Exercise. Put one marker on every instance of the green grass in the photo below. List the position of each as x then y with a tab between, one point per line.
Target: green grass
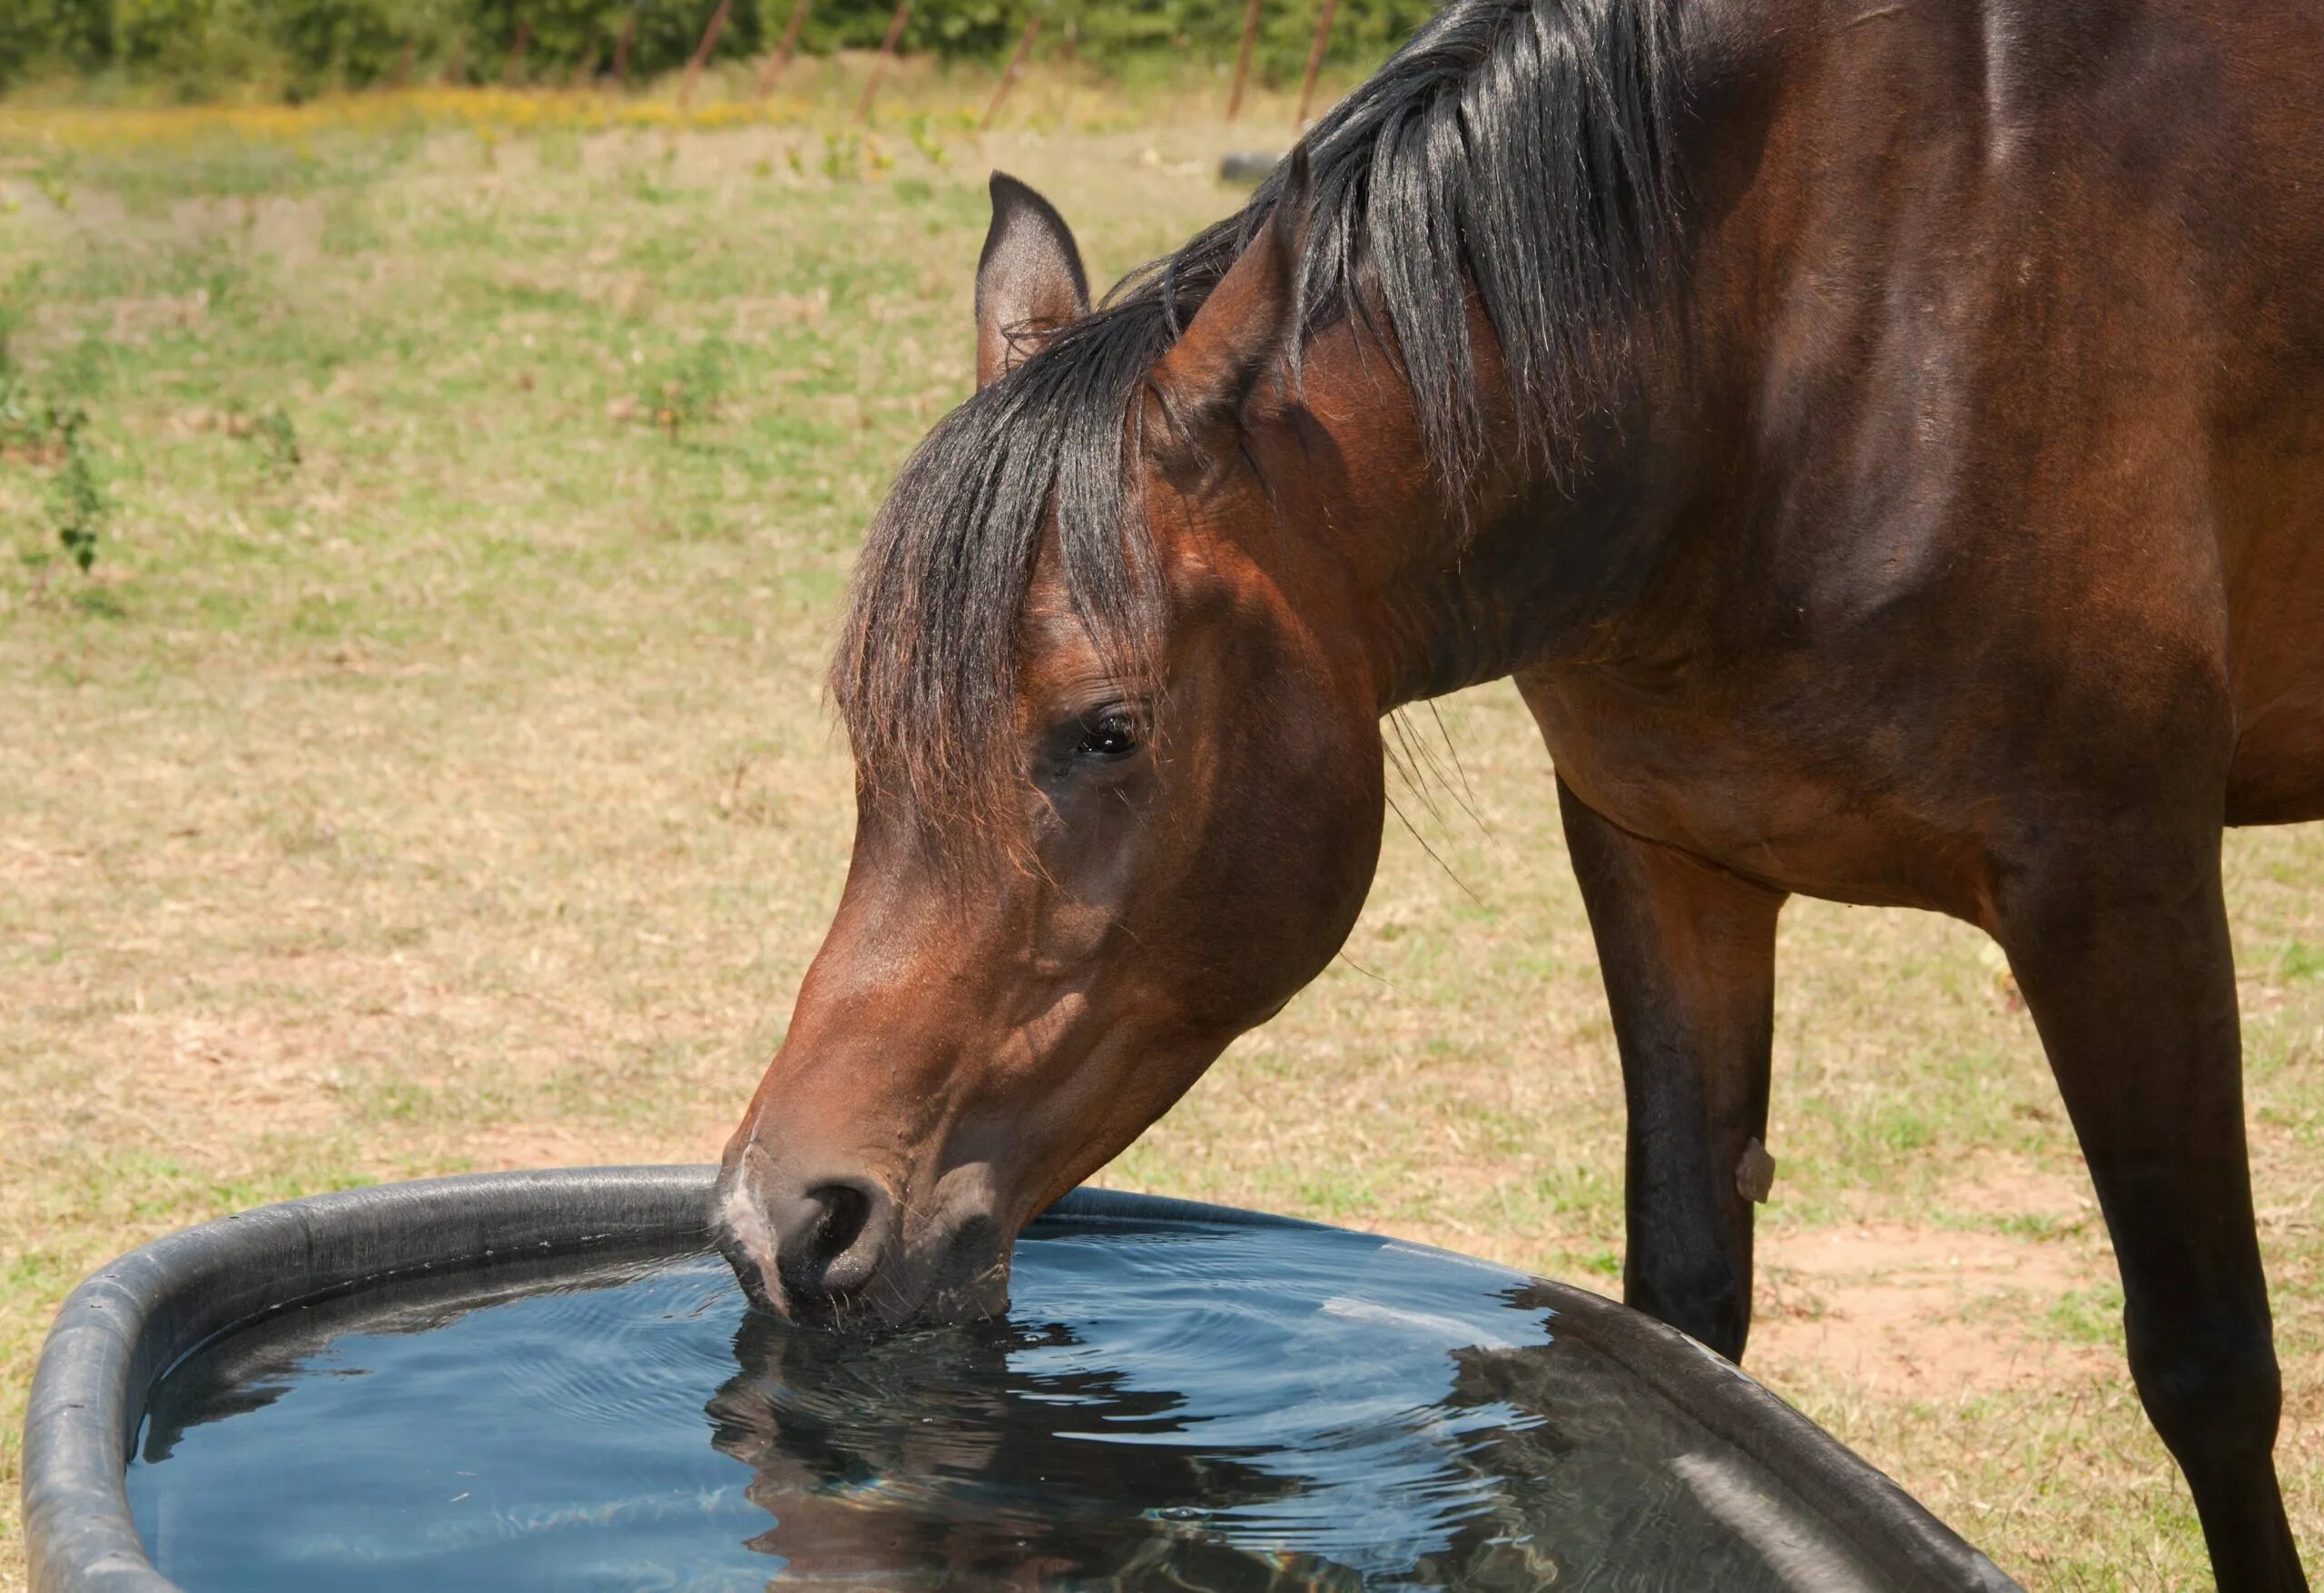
2090	1316
432	774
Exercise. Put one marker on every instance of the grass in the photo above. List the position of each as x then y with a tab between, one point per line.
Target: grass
431	773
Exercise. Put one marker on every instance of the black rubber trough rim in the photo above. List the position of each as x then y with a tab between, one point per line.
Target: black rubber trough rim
131	1322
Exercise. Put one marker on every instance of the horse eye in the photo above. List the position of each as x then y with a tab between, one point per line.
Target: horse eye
1108	735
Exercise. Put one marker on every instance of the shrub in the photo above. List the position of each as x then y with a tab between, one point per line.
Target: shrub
54	35
308	44
352	41
565	35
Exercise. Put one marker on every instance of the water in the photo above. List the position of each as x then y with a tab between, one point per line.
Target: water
1165	1407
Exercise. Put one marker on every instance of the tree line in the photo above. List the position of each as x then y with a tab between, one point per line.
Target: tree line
304	46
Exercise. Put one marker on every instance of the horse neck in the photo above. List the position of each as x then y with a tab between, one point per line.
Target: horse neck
1583	548
1544	555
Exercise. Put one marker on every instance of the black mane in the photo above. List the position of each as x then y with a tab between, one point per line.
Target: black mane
1520	152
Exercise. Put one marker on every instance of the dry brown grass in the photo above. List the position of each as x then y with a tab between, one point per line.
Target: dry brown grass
462	796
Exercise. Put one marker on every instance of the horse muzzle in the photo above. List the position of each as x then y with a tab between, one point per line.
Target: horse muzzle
841	1246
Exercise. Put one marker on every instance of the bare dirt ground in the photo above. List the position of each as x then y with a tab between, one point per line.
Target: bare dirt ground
432	774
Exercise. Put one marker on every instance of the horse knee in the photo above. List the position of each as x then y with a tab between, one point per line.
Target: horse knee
2210	1386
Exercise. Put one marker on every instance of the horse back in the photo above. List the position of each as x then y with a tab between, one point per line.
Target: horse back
2038	352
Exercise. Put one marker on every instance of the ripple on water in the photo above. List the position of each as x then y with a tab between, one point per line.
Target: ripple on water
1165	1407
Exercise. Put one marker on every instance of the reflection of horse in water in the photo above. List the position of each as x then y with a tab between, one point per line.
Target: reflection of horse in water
926	1460
937	1459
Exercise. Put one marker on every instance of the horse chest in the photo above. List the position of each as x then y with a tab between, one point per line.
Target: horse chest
1817	796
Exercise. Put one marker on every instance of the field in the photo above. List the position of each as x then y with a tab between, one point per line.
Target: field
432	772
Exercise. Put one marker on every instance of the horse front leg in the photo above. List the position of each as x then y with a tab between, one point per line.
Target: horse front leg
2125	965
1688	955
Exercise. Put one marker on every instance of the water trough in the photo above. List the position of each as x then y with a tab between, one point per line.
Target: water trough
543	1379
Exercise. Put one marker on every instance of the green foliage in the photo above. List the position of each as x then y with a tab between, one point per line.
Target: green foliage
691	393
356	41
302	45
277	440
1211	30
167	33
842	154
668	31
54	35
196	46
1109	31
2089	1316
76	504
563	36
16	308
924	138
46	433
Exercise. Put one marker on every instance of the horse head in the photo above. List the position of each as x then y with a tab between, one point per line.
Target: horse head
1118	776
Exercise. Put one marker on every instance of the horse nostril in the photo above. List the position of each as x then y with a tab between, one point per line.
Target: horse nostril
846	1210
829	1238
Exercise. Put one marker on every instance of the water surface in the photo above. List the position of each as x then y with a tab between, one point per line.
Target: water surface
1166	1406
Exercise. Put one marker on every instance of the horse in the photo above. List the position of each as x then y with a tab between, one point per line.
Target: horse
1884	442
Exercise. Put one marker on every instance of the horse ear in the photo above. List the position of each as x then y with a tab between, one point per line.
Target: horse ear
1248	321
1030	280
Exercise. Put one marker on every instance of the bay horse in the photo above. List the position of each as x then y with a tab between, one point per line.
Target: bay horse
1884	441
